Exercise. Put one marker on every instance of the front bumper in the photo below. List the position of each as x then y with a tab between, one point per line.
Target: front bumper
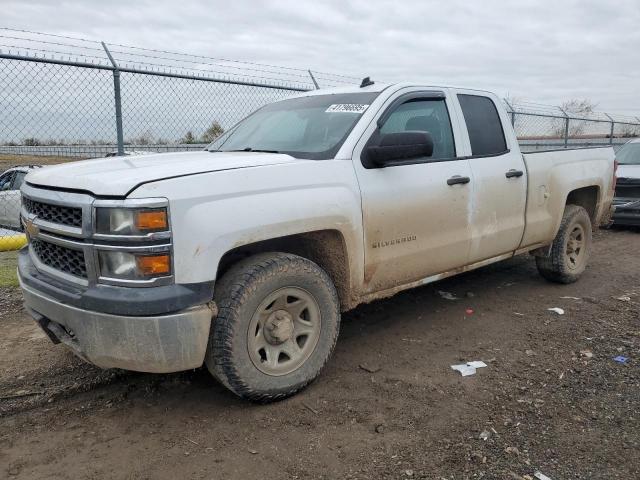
157	343
626	212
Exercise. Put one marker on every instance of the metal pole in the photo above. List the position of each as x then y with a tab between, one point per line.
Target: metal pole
118	100
566	128
612	127
513	113
314	80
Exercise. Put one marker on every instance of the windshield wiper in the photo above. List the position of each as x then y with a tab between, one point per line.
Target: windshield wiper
249	149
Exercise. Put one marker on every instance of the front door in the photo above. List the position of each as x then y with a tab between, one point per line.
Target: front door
415	214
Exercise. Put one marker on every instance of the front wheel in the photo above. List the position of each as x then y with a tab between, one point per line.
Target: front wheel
571	248
277	324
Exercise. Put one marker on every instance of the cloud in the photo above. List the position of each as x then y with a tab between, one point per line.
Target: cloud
546	51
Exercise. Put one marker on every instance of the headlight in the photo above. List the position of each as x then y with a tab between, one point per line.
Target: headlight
134	266
131	221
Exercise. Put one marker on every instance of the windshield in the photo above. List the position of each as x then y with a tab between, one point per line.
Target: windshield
313	127
629	154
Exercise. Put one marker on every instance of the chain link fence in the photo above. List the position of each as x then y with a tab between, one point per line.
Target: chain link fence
64	98
542	127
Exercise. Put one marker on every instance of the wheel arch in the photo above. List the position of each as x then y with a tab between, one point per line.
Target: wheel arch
587	198
327	248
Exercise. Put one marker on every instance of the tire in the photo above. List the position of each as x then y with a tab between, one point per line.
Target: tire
277	325
571	248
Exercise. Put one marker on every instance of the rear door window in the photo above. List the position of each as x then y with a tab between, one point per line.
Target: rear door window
483	124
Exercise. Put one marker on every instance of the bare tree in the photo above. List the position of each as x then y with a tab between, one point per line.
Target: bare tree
188	138
580	110
213	132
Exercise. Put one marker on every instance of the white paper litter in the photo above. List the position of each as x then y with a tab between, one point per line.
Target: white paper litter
571	298
477	364
541	476
624	298
559	311
468	368
447	295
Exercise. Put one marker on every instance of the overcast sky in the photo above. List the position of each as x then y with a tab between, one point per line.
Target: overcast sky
545	51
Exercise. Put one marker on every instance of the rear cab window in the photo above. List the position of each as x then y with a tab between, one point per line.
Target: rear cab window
483	124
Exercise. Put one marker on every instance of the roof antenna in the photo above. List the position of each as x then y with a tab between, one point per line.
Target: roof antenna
366	81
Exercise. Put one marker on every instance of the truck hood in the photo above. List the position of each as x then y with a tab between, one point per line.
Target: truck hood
117	176
628	171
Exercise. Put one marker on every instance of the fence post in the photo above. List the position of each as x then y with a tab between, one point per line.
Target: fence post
314	80
513	113
566	128
118	100
612	128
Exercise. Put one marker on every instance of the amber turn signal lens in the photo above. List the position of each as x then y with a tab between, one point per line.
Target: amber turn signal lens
153	265
152	220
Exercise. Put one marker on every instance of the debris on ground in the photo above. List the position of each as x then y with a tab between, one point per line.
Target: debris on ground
370	369
484	435
447	295
570	298
624	298
621	359
541	476
586	353
310	408
468	368
513	450
469	311
557	310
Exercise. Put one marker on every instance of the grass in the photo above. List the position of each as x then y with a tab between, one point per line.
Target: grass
8	265
7	161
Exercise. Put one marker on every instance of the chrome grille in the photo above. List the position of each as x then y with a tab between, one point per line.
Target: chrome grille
70	216
65	259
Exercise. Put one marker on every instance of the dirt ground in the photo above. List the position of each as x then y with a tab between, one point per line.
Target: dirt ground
551	399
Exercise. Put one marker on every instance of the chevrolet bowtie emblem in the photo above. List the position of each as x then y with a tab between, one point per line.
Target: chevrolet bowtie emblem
31	228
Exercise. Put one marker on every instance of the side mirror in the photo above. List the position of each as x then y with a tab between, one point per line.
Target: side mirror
396	147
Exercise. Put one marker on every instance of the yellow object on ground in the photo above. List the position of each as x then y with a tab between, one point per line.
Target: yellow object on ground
12	242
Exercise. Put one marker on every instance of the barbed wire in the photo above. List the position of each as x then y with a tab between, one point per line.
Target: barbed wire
167	56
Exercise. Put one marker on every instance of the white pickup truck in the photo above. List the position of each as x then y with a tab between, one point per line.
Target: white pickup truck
243	256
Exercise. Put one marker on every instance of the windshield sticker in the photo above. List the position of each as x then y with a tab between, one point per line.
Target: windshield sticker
346	108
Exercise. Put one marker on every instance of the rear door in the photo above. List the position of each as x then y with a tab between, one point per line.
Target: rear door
499	186
415	214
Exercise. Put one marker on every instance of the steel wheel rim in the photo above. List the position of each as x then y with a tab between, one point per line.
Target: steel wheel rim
576	243
284	331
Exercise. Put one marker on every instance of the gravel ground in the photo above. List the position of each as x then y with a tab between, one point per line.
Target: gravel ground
551	398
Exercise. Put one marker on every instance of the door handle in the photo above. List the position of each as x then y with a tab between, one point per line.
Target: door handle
457	179
513	173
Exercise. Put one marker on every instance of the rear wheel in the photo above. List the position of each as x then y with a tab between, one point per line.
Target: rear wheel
277	325
571	248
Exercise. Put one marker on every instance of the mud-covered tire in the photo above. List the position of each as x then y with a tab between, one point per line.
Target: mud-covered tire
241	295
563	265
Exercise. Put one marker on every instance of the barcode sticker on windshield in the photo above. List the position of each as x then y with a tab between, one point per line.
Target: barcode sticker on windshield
346	108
